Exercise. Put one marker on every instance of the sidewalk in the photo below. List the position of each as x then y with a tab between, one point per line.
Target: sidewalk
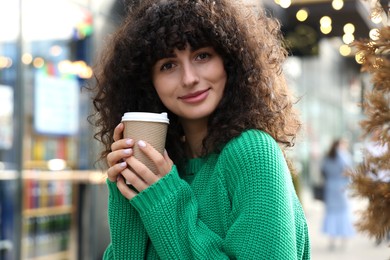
360	247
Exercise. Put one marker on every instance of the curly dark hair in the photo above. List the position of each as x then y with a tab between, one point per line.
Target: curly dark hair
333	149
250	44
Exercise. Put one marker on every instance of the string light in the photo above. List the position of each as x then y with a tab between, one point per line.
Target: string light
374	34
285	3
5	62
326	21
38	62
345	50
55	50
326	30
302	15
326	24
337	4
349	28
27	58
348	38
377	19
359	57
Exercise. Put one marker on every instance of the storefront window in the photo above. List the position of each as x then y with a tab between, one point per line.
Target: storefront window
44	64
9	127
55	58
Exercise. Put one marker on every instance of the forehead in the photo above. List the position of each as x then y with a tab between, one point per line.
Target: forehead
160	52
173	53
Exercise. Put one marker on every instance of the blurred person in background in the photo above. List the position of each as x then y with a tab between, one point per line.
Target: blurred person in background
223	188
338	222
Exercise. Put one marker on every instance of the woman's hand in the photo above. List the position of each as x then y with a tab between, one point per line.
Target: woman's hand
121	149
139	175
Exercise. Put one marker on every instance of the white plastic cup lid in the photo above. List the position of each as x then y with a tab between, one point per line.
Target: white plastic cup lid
146	117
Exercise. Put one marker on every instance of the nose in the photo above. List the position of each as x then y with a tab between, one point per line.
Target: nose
190	75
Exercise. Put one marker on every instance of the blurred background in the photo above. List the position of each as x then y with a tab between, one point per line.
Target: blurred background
53	198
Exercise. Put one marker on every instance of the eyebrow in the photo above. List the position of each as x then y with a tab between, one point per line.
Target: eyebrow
173	54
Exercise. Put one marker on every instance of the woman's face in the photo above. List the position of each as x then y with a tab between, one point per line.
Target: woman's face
191	82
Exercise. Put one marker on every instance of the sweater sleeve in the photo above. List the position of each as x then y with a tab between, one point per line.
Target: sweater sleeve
264	202
125	225
262	223
169	212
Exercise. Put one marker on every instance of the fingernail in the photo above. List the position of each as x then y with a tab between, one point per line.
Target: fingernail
129	141
141	143
123	164
127	151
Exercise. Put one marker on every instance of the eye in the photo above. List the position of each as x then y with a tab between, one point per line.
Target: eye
166	66
203	55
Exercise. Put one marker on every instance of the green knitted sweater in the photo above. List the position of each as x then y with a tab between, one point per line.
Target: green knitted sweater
238	204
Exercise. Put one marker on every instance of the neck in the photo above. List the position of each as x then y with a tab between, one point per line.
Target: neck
195	131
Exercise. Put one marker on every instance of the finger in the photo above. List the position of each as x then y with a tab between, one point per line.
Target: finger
124	189
167	159
118	156
134	179
142	171
164	166
122	144
118	131
114	171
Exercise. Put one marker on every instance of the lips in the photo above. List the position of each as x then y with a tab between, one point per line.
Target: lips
195	96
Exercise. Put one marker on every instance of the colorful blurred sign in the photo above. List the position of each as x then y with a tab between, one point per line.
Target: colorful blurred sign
56	105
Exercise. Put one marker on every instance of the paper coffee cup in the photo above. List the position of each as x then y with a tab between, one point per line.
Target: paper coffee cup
149	127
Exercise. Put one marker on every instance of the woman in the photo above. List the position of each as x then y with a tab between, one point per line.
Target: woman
337	223
223	188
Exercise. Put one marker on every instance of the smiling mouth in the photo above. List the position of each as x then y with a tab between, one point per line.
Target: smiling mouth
195	97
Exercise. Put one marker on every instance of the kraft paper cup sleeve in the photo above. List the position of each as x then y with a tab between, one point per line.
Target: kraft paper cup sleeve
152	132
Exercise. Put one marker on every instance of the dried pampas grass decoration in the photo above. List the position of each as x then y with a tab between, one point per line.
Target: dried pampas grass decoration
375	219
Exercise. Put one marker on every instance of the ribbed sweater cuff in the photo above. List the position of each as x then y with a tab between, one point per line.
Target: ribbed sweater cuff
165	188
114	193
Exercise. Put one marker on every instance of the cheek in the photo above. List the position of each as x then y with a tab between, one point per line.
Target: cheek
164	94
164	86
222	80
221	72
158	86
159	92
